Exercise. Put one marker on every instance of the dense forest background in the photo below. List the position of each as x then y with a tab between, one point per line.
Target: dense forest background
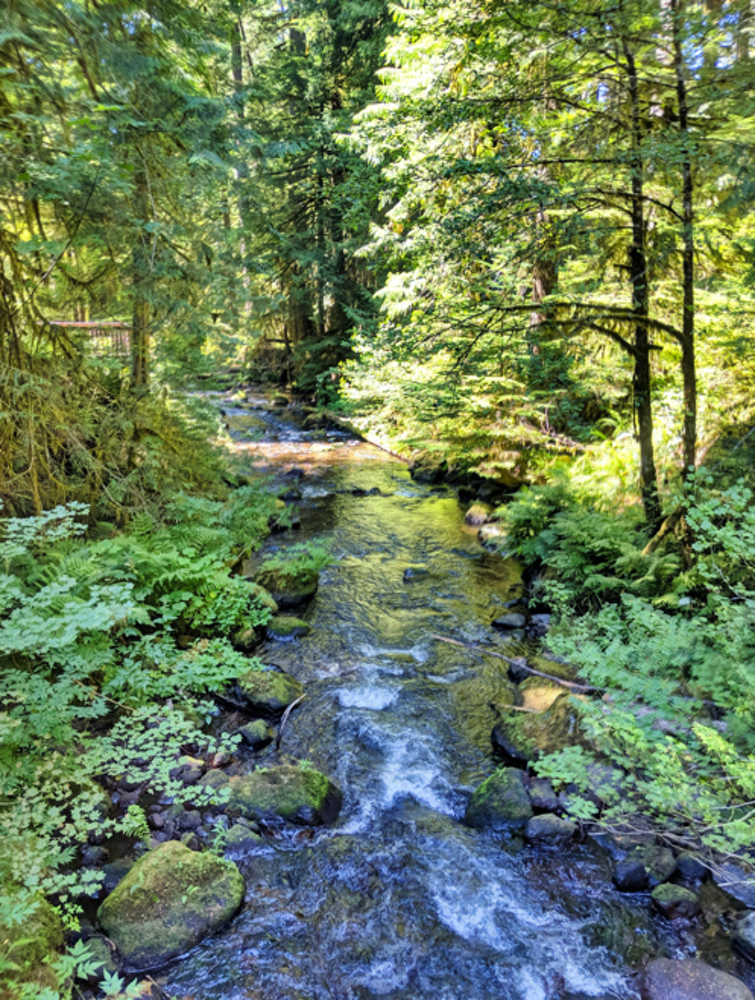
510	240
505	231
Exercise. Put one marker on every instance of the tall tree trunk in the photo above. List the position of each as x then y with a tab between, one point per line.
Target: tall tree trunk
640	306
688	255
140	282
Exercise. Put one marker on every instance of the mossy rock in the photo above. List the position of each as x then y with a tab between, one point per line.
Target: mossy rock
168	902
296	794
675	902
531	734
269	692
286	627
32	945
500	803
289	590
214	778
262	596
257	734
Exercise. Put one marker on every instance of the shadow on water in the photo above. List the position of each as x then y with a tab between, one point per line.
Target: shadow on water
399	899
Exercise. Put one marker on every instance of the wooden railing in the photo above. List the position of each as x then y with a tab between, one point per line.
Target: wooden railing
105	338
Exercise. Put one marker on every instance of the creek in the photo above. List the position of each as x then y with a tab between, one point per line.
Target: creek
399	899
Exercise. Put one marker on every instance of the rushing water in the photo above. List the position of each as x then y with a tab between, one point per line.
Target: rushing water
399	899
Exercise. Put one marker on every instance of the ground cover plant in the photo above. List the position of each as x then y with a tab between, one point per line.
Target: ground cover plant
95	684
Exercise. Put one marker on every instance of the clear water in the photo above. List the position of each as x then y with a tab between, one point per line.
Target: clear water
399	899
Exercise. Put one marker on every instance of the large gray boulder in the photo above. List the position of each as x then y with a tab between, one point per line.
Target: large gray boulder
690	979
500	803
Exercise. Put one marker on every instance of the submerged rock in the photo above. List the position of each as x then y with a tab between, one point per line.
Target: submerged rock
415	573
269	692
296	794
500	803
550	828
690	979
674	901
644	868
286	627
510	621
168	902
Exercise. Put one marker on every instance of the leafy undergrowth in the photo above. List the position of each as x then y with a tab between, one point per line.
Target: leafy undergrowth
109	649
667	639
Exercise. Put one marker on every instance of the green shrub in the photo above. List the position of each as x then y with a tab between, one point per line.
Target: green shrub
670	652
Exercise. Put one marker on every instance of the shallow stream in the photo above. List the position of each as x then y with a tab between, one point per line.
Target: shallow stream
399	899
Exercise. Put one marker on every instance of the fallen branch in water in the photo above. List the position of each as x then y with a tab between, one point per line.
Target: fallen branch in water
572	685
286	714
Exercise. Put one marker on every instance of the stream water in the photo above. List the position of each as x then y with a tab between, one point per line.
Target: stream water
399	899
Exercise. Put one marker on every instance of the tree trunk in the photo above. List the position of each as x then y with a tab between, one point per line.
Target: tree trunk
140	281
640	307
688	256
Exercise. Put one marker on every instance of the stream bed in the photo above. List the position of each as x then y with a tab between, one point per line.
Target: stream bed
399	899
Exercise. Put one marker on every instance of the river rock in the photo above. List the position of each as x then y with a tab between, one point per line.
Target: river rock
539	625
509	744
691	867
168	902
736	882
269	692
33	945
550	828
296	794
214	778
690	979
644	868
510	621
542	796
240	840
479	513
491	535
415	573
623	837
285	627
500	803
257	734
426	469
744	935
674	901
288	589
